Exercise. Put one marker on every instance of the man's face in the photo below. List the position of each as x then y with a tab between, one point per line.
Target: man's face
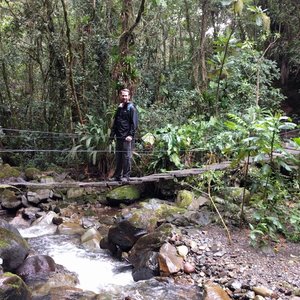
124	96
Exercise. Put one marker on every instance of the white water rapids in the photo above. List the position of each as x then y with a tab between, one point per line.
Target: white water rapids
96	270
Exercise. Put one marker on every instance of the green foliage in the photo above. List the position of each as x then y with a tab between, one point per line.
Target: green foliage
185	145
94	139
257	134
238	86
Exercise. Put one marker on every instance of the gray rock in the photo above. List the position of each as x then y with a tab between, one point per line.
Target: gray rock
12	287
13	249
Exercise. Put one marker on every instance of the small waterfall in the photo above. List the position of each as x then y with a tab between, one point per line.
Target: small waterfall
97	271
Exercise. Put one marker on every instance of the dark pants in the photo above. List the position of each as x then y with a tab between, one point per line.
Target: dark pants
123	158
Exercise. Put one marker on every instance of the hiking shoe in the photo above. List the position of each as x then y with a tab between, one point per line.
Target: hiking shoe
114	179
125	179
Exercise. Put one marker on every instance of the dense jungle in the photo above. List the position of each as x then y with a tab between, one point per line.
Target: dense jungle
213	81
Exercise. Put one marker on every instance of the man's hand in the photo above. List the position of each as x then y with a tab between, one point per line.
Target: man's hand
128	138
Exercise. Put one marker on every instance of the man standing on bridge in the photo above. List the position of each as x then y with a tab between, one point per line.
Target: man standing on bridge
124	129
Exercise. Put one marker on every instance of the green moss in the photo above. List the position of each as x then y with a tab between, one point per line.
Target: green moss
3	243
126	192
184	198
7	194
169	210
7	171
32	173
6	236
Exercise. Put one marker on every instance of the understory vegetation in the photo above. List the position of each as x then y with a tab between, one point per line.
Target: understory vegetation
213	81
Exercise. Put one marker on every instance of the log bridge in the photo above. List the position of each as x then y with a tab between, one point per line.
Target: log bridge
168	175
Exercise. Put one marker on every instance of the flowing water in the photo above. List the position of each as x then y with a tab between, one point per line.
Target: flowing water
97	271
100	273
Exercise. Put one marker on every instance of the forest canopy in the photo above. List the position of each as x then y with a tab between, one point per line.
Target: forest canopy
62	62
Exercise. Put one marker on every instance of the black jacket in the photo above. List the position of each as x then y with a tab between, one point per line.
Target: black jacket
125	121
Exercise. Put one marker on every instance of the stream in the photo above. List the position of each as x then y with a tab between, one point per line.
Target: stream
102	274
97	271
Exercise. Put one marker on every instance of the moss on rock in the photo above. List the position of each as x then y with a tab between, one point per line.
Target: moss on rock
123	194
12	287
32	173
7	171
184	198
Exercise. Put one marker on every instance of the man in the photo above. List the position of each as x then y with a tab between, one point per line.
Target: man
123	129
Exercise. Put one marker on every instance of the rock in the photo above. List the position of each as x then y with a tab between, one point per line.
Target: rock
30	213
61	280
19	222
32	173
74	193
12	287
8	226
92	244
90	234
33	198
235	285
36	267
198	202
124	235
262	291
151	212
188	268
13	249
43	194
124	194
9	200
6	171
169	261
144	254
184	198
214	292
41	226
70	228
57	220
46	179
146	267
202	218
183	250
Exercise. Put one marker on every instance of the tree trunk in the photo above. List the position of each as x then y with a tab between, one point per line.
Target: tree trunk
200	57
70	61
123	70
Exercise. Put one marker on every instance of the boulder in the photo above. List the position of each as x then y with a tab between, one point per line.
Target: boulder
152	211
13	248
147	267
124	235
9	200
144	254
124	194
12	287
36	267
32	173
41	226
169	260
6	171
70	228
74	193
91	239
184	198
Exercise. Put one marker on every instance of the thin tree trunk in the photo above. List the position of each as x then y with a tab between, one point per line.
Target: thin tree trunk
71	77
122	69
200	62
